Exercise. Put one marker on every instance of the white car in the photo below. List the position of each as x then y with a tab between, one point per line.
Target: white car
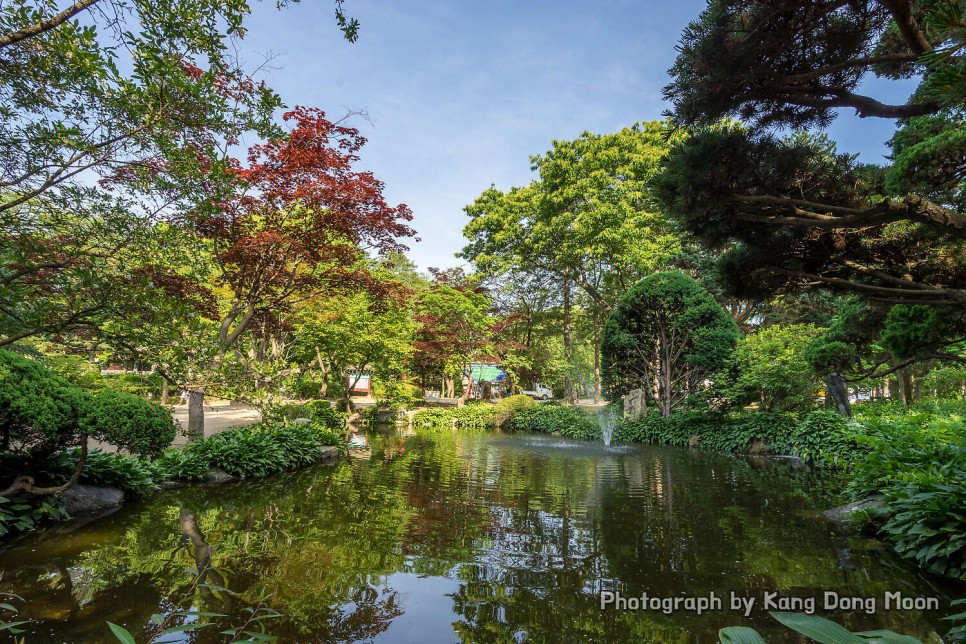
540	392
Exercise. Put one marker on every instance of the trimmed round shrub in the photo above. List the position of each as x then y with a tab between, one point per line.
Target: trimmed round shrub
39	410
666	328
506	408
127	421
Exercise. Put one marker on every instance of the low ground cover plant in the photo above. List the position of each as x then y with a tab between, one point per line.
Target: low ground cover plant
468	417
548	419
250	452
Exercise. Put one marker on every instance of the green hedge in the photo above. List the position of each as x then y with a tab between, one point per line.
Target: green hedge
469	417
148	386
731	433
547	419
506	408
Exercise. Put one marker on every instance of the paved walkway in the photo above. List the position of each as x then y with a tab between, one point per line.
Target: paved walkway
219	416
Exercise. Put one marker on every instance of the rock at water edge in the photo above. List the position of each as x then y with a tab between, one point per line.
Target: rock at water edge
89	498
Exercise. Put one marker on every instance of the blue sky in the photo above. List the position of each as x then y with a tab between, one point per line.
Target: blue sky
460	94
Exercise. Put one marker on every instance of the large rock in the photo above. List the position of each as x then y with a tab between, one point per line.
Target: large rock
218	475
759	447
694	442
842	515
634	406
387	416
91	498
329	455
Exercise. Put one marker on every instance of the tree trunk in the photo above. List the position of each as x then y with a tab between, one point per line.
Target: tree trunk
449	386
324	389
568	392
596	357
905	385
165	393
837	390
196	413
663	372
892	386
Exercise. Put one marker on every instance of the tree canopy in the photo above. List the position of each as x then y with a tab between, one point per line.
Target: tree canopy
794	63
791	212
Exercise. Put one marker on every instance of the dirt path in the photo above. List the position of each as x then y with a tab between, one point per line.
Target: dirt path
219	416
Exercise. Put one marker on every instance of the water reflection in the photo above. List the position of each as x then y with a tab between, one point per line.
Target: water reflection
436	535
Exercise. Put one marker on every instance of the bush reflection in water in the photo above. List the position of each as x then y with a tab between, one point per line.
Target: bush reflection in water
440	535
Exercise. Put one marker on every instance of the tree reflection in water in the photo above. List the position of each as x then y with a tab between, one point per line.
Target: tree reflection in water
452	534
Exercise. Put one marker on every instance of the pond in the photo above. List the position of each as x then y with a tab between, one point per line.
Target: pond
438	535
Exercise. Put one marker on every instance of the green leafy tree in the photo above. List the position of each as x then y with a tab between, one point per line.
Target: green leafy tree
789	213
768	367
667	335
588	224
115	114
454	329
137	92
358	334
794	63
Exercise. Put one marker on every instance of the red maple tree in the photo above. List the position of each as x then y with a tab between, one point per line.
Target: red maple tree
299	222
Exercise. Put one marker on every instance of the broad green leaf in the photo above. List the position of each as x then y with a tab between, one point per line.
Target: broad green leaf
184	628
121	633
819	629
739	635
888	637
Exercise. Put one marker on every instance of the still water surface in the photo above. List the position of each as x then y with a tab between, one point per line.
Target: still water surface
441	536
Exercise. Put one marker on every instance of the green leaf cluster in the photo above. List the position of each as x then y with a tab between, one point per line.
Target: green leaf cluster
25	513
817	629
135	477
468	417
130	422
550	419
250	452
